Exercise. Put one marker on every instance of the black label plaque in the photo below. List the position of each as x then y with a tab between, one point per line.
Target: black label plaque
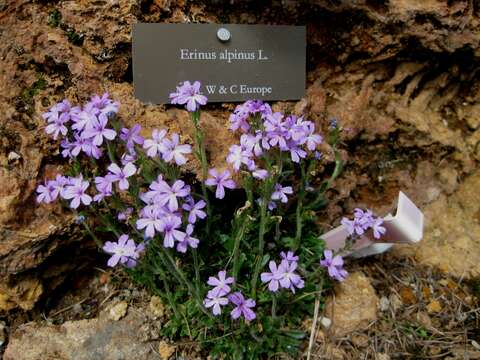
238	63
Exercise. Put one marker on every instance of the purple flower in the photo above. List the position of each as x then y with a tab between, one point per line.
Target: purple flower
188	94
128	157
53	113
239	117
76	192
221	181
59	185
238	156
260	174
57	126
121	175
281	193
195	210
165	194
220	284
169	226
124	251
85	119
378	229
290	279
85	145
174	150
188	240
273	277
312	139
45	193
132	136
215	302
362	221
296	153
334	265
67	147
239	120
365	218
155	146
50	191
243	307
104	104
99	130
252	143
289	256
258	107
149	221
124	215
104	187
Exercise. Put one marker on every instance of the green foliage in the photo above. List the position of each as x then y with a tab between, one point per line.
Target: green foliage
233	245
241	236
476	287
74	37
29	93
54	18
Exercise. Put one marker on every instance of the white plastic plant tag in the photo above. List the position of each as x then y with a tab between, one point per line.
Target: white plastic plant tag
405	227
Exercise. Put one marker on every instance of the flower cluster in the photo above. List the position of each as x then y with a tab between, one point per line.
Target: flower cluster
284	274
88	129
132	186
166	208
67	188
290	134
220	296
169	149
84	128
362	221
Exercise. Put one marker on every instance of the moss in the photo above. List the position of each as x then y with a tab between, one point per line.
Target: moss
29	93
74	37
476	287
54	18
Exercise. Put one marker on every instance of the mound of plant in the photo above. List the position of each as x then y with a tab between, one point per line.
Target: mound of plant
237	256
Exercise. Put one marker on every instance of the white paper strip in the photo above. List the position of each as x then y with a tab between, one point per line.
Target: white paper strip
405	227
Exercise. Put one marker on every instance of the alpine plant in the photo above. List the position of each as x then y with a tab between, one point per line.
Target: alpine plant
234	250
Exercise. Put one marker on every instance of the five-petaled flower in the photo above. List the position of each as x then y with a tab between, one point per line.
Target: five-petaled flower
189	95
334	265
124	251
243	306
121	175
221	283
76	192
221	181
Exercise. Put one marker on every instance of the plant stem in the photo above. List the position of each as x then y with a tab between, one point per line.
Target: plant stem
240	226
111	153
167	288
97	240
299	211
261	241
197	270
188	284
202	157
274	306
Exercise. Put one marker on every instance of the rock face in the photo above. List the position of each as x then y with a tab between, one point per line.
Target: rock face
400	75
453	231
354	305
95	339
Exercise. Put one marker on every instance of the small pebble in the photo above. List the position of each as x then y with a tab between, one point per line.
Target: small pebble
118	311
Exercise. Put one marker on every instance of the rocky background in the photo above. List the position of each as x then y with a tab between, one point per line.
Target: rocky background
403	76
